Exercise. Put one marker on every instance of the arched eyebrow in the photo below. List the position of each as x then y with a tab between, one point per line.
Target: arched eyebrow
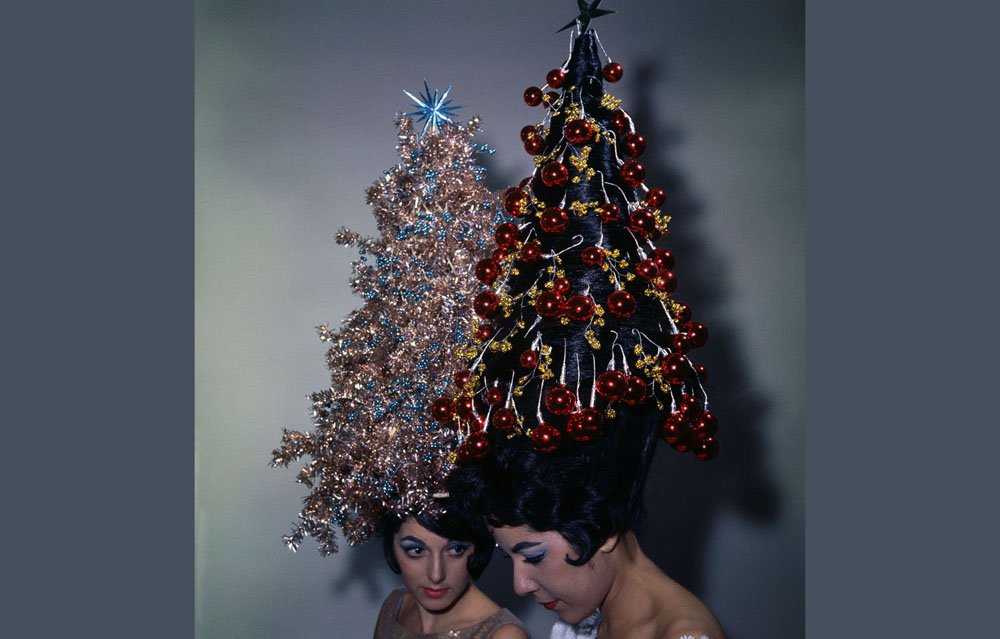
412	539
525	544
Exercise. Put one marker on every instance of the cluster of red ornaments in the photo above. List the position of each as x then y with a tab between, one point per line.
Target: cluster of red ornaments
691	429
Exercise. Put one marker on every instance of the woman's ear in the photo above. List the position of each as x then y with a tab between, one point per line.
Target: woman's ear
610	544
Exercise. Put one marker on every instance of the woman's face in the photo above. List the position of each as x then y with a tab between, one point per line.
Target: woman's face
434	569
540	569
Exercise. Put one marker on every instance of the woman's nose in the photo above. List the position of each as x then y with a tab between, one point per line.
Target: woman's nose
523	584
435	571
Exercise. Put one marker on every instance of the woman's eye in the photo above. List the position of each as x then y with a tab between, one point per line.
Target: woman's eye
457	551
534	559
413	552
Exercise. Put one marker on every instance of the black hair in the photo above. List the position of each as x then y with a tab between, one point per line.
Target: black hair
450	525
586	492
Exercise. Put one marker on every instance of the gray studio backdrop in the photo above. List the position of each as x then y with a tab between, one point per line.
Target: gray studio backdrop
294	108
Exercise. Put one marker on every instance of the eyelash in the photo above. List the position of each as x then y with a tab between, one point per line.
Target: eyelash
534	559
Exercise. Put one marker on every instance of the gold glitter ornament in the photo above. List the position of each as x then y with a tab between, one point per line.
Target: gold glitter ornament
374	450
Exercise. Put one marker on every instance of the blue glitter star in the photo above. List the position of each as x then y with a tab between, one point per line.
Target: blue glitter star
435	110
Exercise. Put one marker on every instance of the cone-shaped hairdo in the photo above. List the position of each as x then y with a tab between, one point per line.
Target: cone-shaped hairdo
578	334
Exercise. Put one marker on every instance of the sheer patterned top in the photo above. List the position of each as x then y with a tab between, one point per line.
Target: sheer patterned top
388	627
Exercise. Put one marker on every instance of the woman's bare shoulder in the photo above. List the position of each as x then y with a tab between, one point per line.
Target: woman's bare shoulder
694	629
510	631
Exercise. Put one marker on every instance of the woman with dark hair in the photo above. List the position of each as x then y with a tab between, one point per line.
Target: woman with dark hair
438	560
567	521
578	366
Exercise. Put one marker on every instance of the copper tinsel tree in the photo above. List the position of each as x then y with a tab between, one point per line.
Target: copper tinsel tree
578	332
374	450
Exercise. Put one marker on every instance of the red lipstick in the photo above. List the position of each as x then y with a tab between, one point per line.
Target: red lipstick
549	605
435	594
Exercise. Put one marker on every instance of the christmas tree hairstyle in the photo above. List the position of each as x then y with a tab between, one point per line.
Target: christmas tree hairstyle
375	453
578	337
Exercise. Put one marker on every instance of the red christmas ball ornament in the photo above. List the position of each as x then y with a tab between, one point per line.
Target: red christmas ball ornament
554	220
532	96
613	72
663	258
705	425
642	222
550	99
560	400
592	256
503	419
608	212
529	358
683	445
635	391
477	446
534	145
674	429
462	378
611	385
646	269
682	314
679	343
442	409
619	121
655	198
621	304
632	174
487	270
580	308
555	78
702	372
528	131
549	304
577	131
561	286
531	251
486	304
706	450
689	407
585	425
500	253
484	331
524	183
494	396
633	145
514	200
506	234
475	423
665	281
554	174
675	368
697	334
463	407
546	438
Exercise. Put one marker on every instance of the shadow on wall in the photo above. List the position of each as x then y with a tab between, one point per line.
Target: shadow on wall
683	495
